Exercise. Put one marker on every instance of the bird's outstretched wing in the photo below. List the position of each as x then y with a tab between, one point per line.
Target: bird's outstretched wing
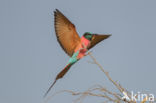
66	33
97	38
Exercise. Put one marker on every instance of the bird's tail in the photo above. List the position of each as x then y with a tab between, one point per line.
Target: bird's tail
59	76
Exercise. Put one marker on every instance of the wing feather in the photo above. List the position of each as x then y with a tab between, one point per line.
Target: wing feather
96	39
66	33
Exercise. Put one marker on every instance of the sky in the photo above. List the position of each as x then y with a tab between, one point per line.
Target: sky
31	57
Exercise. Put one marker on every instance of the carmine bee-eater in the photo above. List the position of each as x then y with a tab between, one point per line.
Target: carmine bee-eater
71	43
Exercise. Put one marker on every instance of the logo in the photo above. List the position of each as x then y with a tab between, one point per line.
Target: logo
138	97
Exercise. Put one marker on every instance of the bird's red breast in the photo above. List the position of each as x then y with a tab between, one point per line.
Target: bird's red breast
82	47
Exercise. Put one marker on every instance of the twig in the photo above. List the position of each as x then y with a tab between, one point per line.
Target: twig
104	93
106	73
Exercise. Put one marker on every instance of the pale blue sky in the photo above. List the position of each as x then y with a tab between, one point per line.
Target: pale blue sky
30	56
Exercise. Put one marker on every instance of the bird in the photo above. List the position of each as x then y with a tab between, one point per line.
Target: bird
74	46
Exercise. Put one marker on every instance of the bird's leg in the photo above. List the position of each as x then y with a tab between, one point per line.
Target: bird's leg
82	51
84	47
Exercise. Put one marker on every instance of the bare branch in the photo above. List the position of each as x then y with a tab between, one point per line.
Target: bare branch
100	91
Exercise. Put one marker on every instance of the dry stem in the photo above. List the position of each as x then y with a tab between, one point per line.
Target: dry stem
104	93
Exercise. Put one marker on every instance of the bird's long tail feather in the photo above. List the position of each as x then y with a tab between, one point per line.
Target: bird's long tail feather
50	88
59	76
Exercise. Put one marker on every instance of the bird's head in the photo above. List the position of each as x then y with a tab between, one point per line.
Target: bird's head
88	36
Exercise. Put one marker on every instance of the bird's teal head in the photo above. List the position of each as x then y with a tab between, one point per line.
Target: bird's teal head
88	36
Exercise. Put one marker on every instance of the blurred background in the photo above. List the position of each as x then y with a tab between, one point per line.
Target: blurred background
30	56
